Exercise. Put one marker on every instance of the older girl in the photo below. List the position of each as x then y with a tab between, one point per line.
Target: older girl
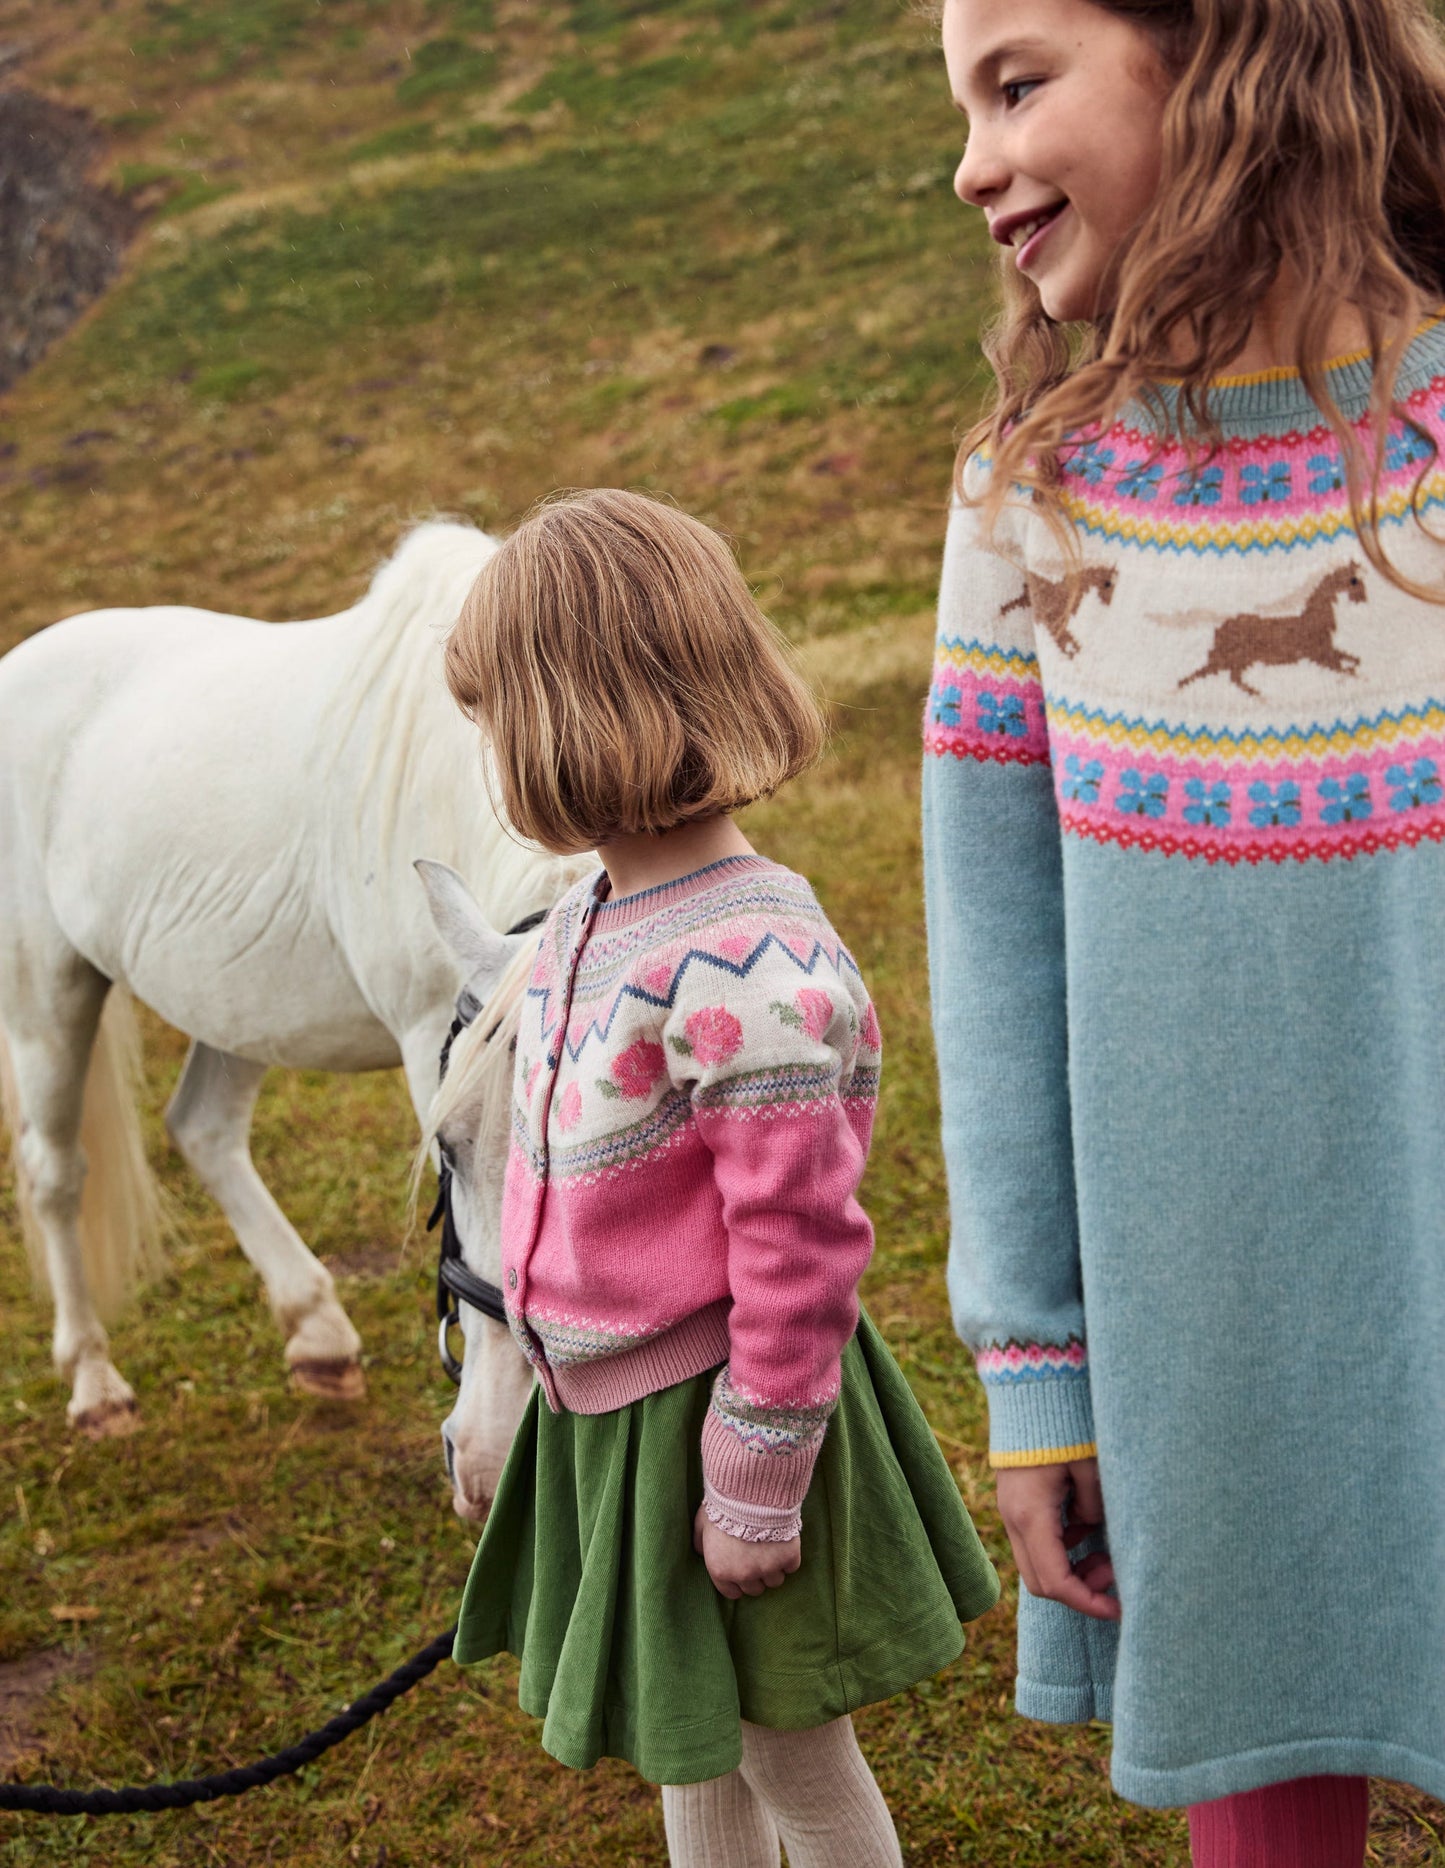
1185	803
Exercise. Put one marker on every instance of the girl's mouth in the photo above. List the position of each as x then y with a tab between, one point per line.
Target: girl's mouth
1024	255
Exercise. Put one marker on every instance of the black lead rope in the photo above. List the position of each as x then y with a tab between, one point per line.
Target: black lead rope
454	1280
46	1800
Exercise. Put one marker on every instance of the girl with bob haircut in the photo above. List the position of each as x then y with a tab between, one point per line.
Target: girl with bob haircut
631	681
1185	857
724	1522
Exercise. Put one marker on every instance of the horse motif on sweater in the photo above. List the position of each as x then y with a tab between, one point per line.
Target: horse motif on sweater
1056	602
1307	635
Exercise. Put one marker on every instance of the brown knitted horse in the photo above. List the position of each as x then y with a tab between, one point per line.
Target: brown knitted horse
1275	641
1055	605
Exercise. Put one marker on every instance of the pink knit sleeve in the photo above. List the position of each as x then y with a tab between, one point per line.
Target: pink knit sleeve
787	1113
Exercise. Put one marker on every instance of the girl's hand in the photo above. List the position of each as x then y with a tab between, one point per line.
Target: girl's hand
738	1568
1031	1501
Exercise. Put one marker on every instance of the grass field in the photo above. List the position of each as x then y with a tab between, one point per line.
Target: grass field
417	256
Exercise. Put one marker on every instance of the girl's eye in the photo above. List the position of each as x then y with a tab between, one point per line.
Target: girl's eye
1012	89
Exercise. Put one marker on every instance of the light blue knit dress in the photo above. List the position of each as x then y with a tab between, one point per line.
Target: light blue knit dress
1185	853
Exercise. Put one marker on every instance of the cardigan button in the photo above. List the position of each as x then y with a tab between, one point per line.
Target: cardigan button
512	1278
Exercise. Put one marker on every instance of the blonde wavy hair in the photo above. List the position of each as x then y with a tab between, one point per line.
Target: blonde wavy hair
613	654
1302	131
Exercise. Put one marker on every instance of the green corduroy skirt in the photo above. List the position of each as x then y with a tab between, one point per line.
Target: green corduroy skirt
586	1571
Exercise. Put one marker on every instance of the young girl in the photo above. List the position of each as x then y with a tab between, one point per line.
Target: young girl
1185	804
724	1522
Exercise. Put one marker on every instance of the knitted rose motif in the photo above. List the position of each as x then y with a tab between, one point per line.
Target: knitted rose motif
872	1036
530	1082
569	1110
637	1068
816	1010
714	1034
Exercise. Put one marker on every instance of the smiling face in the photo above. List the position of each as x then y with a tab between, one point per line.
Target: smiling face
1065	104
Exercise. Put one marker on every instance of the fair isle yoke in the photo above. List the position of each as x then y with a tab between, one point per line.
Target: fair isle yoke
697	1069
1185	862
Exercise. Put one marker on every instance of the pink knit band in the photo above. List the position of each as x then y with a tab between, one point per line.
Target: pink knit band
697	1343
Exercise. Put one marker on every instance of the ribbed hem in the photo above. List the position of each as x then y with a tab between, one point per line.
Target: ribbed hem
733	1470
697	1343
622	910
1041	1420
1276	1764
1064	1705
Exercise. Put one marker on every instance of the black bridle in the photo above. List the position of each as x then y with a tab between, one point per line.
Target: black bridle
457	1284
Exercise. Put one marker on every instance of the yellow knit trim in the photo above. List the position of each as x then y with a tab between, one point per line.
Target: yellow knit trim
1051	1456
1285	374
1318	744
1019	664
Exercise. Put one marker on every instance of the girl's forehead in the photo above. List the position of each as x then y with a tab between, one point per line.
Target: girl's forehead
980	37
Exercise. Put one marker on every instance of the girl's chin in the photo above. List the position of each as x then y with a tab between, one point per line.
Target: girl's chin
1066	303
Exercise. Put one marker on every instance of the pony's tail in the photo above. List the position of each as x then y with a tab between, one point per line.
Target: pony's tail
125	1217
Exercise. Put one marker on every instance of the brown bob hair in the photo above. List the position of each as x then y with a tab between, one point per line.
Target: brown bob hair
614	657
1308	131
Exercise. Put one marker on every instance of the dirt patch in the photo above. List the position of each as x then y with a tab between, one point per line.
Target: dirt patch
61	235
363	1261
24	1683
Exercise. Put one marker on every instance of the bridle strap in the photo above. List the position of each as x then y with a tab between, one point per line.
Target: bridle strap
453	1273
457	1283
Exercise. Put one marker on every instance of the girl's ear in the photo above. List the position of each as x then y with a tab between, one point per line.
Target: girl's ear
482	951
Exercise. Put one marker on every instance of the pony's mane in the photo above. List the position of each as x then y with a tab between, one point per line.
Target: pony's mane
396	677
424	761
479	1070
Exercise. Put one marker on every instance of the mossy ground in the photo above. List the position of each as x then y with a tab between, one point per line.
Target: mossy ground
411	256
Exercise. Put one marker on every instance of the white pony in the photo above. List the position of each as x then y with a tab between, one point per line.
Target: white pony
220	817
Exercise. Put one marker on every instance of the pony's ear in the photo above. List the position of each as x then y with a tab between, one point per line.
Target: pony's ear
482	951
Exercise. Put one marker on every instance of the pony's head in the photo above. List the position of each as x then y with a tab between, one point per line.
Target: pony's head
469	1123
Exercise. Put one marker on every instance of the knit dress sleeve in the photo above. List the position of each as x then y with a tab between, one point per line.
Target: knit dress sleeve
993	877
782	1074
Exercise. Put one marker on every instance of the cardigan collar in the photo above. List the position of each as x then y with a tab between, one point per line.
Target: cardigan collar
615	911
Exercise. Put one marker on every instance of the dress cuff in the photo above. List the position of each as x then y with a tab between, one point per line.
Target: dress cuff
754	1524
1039	1419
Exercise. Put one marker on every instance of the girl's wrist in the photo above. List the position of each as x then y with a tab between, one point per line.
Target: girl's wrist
753	1524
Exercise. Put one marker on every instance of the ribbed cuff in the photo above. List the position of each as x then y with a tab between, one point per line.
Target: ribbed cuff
745	1478
1041	1420
754	1524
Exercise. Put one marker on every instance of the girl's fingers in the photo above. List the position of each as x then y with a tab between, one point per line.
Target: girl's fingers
1058	1582
1096	1570
1088	1500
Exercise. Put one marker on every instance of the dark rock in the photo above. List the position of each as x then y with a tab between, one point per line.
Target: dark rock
61	235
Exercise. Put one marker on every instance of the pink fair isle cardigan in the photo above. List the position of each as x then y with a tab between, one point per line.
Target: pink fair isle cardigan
697	1069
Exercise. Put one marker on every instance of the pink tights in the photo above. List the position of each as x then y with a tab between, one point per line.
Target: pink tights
1311	1822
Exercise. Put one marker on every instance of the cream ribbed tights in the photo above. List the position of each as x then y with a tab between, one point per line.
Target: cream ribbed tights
811	1791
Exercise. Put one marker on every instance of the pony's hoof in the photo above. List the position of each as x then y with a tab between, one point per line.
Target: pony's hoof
338	1379
110	1420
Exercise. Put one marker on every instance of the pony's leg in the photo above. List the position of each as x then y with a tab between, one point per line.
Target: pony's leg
50	1045
209	1120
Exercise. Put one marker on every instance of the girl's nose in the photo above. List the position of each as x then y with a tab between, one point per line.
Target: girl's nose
980	175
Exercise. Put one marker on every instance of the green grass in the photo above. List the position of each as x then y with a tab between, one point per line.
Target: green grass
473	251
